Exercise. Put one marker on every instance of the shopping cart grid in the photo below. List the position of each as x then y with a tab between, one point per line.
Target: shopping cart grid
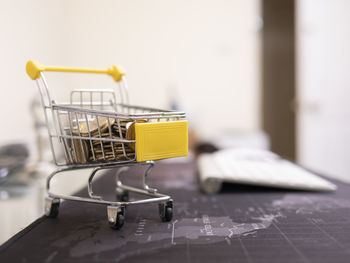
96	132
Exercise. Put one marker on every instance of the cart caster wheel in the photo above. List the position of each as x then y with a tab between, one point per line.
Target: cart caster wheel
52	207
166	211
122	195
119	222
116	216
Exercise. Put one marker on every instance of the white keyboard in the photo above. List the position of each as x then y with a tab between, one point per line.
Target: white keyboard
255	167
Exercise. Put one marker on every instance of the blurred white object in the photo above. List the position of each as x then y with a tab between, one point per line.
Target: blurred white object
323	61
235	139
255	167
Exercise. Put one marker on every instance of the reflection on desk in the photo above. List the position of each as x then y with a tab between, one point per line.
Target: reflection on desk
21	204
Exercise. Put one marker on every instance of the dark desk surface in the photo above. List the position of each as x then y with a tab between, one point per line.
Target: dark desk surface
241	224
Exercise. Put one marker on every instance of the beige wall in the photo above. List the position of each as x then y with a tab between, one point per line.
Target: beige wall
27	29
207	51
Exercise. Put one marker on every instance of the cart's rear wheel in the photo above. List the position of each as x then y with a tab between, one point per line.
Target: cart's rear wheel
116	216
122	195
166	211
52	206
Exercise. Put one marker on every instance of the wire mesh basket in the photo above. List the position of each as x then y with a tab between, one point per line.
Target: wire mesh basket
93	130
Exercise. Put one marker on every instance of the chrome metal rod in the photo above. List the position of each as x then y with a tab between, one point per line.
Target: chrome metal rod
121	170
105	202
144	183
140	191
91	177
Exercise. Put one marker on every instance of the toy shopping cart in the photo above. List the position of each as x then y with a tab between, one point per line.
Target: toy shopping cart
99	129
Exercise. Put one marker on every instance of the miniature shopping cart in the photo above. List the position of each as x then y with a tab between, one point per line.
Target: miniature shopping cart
99	129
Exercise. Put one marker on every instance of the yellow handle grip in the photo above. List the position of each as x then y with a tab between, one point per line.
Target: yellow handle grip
34	68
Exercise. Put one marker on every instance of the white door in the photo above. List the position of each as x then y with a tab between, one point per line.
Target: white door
323	86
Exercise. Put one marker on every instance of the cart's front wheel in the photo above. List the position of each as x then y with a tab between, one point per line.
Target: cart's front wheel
166	210
52	206
116	216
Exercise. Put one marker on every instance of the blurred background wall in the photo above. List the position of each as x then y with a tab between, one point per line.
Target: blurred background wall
278	66
204	55
27	30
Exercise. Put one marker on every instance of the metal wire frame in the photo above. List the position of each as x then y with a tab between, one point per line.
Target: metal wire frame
64	122
70	124
146	190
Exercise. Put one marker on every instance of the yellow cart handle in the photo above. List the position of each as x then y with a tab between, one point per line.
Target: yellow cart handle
34	68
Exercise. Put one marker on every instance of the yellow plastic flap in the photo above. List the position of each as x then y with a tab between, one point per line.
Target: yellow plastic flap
160	140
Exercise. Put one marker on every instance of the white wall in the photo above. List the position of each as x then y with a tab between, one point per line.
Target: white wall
28	29
323	86
207	51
